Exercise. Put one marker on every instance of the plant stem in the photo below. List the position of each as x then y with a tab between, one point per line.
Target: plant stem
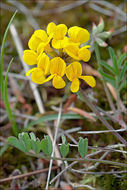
103	81
84	98
79	160
118	95
54	144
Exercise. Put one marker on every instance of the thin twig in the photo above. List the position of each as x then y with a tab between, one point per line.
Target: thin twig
111	6
54	144
64	170
48	11
27	174
18	76
76	185
102	119
98	132
99	173
26	12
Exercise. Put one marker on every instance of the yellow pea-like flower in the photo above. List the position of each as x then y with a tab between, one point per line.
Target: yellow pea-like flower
39	41
74	73
59	33
56	68
38	73
39	36
77	53
57	71
51	29
30	57
78	34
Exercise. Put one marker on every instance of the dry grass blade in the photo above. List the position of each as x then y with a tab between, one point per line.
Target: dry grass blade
81	112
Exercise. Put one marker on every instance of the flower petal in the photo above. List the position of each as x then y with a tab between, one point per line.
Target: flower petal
74	70
40	47
60	31
44	63
30	71
42	35
58	82
89	80
78	34
57	44
34	42
37	76
72	51
84	54
49	78
75	85
57	66
51	28
30	57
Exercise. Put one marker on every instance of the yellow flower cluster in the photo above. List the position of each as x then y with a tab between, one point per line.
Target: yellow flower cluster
45	45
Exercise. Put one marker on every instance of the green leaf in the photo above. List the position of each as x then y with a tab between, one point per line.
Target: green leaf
46	145
83	147
27	141
104	35
123	85
123	71
100	26
108	78
21	140
16	143
36	145
115	64
33	137
64	149
94	29
108	67
100	42
64	139
111	52
121	59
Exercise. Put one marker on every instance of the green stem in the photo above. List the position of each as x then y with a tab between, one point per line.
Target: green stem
117	94
103	81
78	159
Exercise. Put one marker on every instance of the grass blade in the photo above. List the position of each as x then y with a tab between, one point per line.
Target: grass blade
2	55
51	117
6	101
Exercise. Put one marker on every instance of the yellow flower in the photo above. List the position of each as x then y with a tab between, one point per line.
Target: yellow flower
40	40
57	71
77	53
74	73
38	73
30	57
38	37
59	33
78	34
